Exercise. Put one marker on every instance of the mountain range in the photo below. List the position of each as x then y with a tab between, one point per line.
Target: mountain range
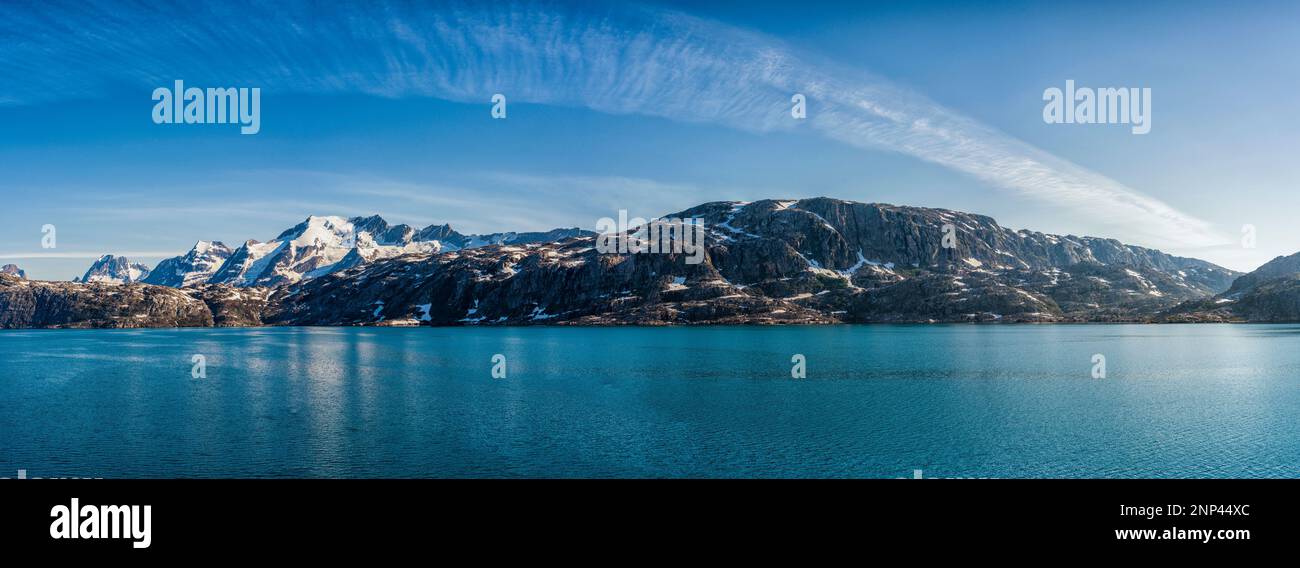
316	247
818	260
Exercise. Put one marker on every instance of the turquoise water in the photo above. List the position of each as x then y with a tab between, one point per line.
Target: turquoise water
878	401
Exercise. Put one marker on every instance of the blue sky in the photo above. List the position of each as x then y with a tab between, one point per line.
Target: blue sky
384	108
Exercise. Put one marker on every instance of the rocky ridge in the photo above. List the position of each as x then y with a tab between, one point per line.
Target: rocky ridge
1270	293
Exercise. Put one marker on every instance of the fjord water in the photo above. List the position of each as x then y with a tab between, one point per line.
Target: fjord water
878	401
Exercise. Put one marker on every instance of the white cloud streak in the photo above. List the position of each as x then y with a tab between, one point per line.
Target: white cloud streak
613	60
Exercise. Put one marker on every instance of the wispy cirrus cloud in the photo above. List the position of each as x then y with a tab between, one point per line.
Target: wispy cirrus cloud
623	60
487	202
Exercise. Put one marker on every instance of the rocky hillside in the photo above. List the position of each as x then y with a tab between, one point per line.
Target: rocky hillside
13	270
807	261
27	304
1270	293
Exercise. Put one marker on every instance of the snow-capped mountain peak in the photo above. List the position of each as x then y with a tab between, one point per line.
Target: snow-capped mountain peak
320	229
111	269
194	267
206	247
316	247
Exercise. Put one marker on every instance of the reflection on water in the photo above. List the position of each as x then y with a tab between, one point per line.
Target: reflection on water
879	401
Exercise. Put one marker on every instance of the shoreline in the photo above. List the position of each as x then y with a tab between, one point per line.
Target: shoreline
648	326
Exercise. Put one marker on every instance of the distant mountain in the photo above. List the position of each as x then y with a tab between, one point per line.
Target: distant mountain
192	268
323	245
452	240
313	248
1280	267
111	269
815	260
13	270
1270	293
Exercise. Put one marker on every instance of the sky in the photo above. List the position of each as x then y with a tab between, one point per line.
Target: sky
385	108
